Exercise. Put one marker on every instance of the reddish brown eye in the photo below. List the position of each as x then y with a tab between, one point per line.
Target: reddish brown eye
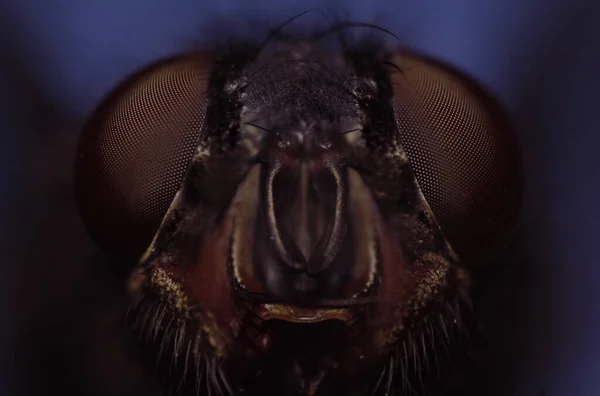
134	152
463	152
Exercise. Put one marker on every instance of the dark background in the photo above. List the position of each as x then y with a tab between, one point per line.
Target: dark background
540	57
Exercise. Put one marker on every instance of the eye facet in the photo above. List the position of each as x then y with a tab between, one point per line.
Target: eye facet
135	149
463	151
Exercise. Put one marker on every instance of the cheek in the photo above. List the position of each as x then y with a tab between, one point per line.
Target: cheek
396	281
208	282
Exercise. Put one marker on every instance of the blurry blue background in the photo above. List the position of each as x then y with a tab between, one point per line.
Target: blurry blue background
540	57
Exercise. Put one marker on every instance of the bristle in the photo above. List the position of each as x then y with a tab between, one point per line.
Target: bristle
199	365
379	380
164	342
184	373
424	349
159	321
225	381
275	31
390	376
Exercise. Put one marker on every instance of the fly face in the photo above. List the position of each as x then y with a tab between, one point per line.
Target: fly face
301	211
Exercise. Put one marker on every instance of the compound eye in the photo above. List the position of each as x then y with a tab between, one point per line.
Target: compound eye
134	151
463	152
